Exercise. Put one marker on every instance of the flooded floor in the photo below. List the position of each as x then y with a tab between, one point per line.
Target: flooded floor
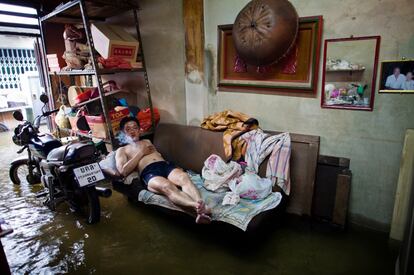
135	239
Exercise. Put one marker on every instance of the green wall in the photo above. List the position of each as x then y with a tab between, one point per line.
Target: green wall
372	140
162	32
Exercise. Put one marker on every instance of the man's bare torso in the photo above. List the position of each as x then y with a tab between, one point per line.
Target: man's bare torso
131	149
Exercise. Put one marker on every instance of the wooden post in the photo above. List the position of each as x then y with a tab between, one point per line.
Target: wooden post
340	211
193	13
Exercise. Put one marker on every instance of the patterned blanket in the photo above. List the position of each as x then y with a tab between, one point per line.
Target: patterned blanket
238	215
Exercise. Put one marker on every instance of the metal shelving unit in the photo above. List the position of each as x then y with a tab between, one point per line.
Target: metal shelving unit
84	12
100	72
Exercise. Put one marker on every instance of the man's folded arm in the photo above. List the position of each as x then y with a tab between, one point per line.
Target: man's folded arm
125	166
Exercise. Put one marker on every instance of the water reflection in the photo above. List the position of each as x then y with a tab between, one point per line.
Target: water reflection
41	242
141	240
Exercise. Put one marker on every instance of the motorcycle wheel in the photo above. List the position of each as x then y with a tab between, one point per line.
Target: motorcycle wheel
19	173
87	203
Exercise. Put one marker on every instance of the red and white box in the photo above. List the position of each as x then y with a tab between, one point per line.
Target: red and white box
113	41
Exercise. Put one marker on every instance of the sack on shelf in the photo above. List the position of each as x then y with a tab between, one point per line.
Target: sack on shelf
61	118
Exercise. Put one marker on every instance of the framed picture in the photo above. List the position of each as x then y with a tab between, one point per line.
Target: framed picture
350	73
296	72
397	76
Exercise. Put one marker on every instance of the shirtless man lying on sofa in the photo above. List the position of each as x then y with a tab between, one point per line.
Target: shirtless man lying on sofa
159	175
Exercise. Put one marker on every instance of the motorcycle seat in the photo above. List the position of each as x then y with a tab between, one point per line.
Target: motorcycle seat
71	153
43	144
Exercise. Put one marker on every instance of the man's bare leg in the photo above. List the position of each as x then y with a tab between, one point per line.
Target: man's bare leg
180	178
165	187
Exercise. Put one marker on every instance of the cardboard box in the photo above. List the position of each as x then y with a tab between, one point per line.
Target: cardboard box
113	41
116	118
98	125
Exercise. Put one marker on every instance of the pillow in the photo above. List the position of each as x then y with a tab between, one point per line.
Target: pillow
108	166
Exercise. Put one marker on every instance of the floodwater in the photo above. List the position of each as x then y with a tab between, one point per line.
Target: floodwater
136	239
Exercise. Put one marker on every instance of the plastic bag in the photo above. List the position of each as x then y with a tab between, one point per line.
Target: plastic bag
217	174
61	118
250	186
144	118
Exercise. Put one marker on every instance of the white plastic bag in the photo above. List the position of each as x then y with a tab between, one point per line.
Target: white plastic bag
217	173
248	186
61	117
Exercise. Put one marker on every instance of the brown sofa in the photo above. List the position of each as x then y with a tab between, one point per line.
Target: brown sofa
190	146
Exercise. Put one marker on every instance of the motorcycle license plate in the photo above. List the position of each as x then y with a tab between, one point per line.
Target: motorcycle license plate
88	174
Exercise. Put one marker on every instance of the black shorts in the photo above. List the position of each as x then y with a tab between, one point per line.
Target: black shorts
157	169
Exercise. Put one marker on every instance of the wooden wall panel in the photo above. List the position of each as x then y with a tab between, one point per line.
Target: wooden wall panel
405	181
193	13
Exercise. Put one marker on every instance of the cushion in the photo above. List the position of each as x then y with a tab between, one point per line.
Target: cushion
265	30
108	166
188	147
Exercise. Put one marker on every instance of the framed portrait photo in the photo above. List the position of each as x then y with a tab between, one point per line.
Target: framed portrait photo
397	76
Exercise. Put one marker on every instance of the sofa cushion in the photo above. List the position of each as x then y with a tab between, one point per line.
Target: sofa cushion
188	147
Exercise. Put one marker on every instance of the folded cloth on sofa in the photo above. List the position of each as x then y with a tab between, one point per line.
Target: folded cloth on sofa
217	174
238	215
233	124
260	145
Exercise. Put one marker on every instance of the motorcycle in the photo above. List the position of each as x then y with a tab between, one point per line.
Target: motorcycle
68	172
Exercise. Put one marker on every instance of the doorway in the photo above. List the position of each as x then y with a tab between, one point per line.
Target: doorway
20	73
20	86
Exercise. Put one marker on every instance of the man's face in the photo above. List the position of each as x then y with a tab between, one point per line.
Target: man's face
131	129
397	71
